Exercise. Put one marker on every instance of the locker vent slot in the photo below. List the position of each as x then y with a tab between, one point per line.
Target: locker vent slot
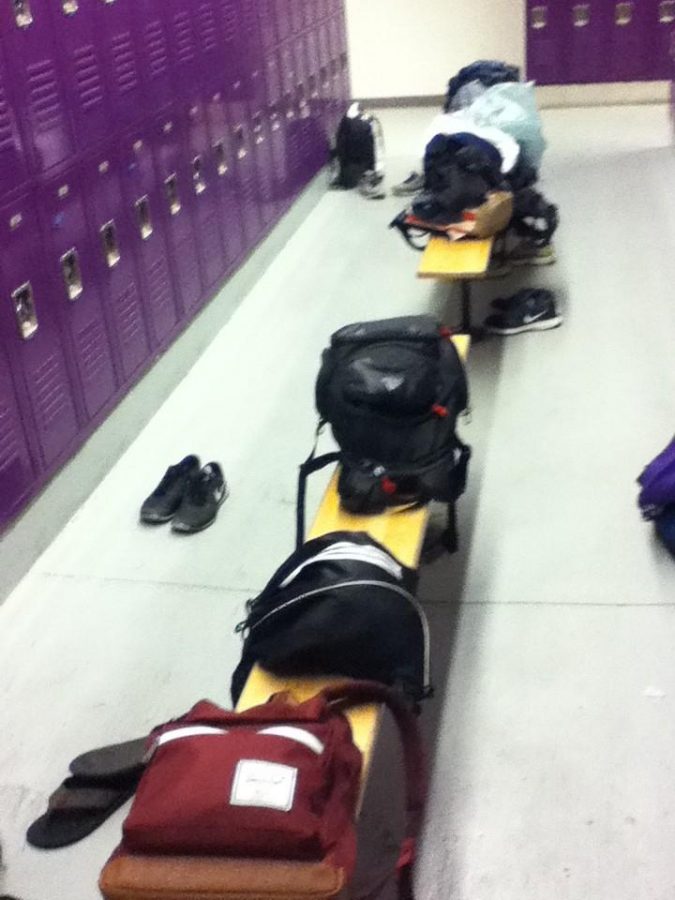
229	20
221	157
184	37
72	274
88	77
6	123
171	189
667	11
198	180
623	13
23	15
124	60
24	310
208	33
158	54
581	15
110	246
142	207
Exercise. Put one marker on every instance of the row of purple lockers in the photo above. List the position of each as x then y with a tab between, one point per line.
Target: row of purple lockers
573	42
104	262
74	71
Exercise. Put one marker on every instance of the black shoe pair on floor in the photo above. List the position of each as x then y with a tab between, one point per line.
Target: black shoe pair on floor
188	496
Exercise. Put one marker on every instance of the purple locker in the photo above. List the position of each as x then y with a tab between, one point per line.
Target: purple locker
115	263
279	159
629	48
74	294
309	13
273	83
155	56
297	13
204	197
663	31
262	148
283	18
546	27
229	201
117	25
245	168
268	25
232	51
75	25
210	45
254	61
30	335
37	87
289	80
313	64
175	209
587	39
301	63
17	472
13	162
142	201
185	51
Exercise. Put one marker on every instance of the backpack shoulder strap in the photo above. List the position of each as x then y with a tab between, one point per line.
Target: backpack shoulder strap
312	464
354	693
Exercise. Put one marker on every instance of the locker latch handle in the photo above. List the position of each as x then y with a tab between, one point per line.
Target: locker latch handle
581	14
70	7
344	62
23	15
288	106
172	196
242	152
142	207
221	157
275	124
539	18
324	77
623	13
24	310
72	274
667	11
198	180
313	87
258	132
111	249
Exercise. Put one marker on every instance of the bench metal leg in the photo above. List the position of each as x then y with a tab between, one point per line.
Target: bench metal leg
467	325
451	536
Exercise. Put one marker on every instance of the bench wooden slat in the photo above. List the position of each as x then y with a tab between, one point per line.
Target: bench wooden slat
453	260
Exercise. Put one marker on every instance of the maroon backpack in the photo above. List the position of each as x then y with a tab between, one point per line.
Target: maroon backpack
279	781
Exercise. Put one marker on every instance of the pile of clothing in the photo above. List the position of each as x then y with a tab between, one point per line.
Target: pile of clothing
482	157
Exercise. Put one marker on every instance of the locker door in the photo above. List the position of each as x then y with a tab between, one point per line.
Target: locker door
313	65
279	158
301	66
262	147
37	87
283	17
74	24
173	179
254	57
587	40
268	25
183	41
230	30
229	201
546	26
663	29
30	335
117	34
73	293
325	81
115	265
13	162
155	56
630	47
203	197
139	183
17	471
245	168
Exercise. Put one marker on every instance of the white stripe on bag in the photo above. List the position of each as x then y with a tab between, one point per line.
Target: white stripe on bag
189	731
296	734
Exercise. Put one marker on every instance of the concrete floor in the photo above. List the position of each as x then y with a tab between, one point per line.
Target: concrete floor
554	628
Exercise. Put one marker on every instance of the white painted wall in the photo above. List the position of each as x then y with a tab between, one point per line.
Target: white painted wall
409	48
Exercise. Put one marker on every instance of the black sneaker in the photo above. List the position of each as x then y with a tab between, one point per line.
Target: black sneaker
525	311
205	492
161	506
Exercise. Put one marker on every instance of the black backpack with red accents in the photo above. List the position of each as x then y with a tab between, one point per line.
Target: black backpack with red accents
392	391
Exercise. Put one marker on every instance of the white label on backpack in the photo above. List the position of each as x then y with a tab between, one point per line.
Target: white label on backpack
264	784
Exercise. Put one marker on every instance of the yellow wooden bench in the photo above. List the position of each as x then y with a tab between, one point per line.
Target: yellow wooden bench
458	261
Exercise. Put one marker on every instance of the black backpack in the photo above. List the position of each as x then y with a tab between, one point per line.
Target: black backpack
357	147
341	605
392	391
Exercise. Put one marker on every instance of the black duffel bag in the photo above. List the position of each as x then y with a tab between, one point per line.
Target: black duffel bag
341	605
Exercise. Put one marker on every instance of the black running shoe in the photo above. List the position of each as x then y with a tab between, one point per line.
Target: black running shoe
525	311
413	184
161	506
205	492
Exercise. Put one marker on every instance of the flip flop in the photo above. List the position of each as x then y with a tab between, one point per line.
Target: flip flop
76	809
124	760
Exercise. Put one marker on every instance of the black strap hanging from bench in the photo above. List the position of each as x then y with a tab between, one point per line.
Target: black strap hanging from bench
312	464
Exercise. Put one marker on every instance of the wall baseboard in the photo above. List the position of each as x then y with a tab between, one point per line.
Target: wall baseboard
555	96
23	543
